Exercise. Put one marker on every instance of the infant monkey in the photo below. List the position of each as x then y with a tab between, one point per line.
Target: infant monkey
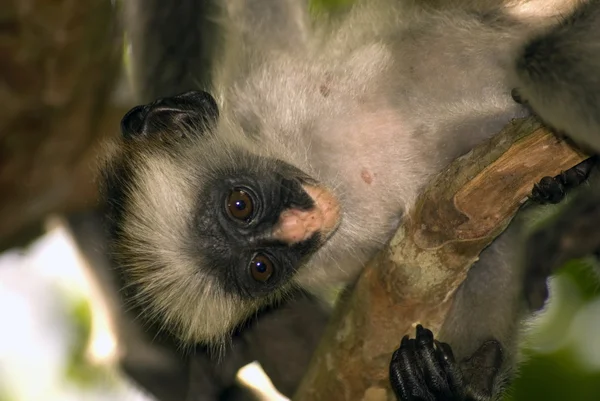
316	141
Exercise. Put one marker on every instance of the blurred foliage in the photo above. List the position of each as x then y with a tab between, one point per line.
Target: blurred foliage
4	396
560	374
78	367
556	377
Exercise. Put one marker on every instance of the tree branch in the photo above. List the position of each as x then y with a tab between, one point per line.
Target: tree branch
414	278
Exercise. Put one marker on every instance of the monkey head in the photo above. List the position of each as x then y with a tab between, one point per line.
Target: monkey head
205	230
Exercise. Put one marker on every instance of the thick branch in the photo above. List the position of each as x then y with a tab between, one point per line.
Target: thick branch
414	278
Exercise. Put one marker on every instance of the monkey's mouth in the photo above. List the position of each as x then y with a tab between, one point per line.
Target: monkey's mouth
298	225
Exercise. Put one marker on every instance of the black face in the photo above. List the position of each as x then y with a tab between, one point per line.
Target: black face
237	210
235	234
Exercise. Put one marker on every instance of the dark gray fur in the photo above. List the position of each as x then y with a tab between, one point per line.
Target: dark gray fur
556	75
172	48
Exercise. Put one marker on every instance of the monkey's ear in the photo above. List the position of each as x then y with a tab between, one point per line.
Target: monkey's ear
196	110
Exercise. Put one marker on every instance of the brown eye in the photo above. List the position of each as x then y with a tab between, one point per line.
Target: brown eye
239	205
261	268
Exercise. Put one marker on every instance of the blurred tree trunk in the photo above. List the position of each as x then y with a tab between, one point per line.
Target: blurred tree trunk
59	61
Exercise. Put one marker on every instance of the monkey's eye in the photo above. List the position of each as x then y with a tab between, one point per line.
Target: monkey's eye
240	205
261	268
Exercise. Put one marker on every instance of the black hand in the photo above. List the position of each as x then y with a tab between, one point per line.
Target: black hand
553	189
424	370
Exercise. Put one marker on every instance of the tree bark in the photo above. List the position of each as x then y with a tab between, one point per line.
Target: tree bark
414	278
59	61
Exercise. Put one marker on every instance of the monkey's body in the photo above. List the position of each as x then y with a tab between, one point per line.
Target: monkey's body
364	109
371	124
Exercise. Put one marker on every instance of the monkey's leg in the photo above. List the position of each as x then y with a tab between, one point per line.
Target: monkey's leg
173	45
558	75
479	335
483	323
499	292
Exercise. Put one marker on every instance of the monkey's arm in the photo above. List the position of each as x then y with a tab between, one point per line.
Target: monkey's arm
557	75
173	45
478	352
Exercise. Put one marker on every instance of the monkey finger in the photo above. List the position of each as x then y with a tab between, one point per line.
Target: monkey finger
433	372
548	190
406	376
454	375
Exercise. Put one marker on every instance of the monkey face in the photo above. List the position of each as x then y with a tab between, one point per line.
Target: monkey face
264	220
205	231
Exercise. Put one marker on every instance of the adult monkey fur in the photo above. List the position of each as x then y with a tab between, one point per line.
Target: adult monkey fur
319	140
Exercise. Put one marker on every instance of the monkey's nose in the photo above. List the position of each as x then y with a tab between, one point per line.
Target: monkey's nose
297	225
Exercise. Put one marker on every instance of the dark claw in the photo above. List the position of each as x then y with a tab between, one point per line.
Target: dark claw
445	352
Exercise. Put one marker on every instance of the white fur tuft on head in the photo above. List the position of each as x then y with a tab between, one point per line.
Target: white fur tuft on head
154	253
